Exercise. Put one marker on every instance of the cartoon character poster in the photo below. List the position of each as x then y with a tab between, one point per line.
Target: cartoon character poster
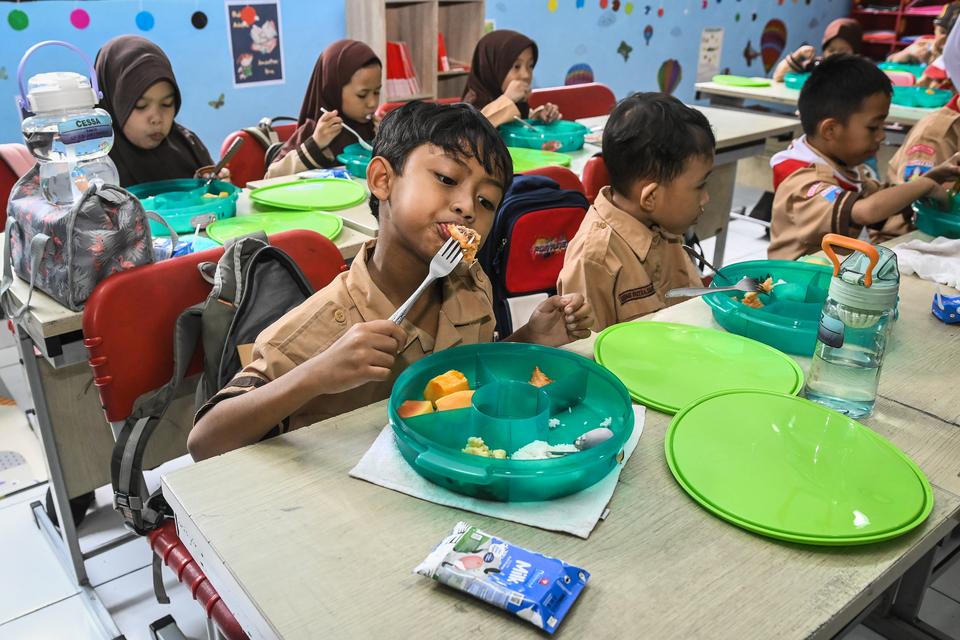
255	48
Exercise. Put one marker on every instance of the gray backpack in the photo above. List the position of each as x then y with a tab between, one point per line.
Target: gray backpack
254	284
66	250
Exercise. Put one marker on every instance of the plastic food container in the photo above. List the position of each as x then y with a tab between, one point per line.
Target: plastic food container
186	203
355	158
508	413
795	80
921	97
568	135
934	222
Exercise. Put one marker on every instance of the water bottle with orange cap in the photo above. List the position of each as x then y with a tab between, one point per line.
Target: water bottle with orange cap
854	326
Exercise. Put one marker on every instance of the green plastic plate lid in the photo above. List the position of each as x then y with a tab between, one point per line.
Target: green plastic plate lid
791	469
527	159
667	366
327	194
274	222
741	81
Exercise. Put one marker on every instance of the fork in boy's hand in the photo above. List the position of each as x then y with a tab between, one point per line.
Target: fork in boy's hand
447	258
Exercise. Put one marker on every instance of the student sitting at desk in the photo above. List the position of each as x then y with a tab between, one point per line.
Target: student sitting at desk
346	82
433	166
820	181
926	49
628	250
843	35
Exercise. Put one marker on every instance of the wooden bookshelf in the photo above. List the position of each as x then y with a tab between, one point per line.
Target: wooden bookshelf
417	23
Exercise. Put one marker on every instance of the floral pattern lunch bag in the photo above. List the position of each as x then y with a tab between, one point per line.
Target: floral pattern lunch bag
65	250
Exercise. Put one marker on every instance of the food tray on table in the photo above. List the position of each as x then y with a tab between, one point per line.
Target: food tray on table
509	413
186	203
272	222
327	194
935	222
562	135
355	158
527	159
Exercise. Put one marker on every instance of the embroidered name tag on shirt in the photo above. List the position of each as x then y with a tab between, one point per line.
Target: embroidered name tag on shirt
636	294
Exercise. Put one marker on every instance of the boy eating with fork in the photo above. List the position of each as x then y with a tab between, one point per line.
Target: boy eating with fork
434	168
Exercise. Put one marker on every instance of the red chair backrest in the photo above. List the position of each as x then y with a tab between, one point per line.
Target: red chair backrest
577	100
387	107
561	175
595	177
247	165
15	161
129	318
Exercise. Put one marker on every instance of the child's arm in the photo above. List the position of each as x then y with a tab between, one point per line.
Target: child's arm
364	353
794	62
557	321
890	201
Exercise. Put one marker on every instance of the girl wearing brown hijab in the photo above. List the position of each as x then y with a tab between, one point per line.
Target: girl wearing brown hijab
346	82
500	78
141	95
843	35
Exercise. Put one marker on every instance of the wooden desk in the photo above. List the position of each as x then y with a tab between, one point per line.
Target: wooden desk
737	137
778	93
296	547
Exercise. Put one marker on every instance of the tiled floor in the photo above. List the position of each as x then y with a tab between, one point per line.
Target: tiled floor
38	600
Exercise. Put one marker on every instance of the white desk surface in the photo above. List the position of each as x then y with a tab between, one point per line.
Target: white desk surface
778	93
295	546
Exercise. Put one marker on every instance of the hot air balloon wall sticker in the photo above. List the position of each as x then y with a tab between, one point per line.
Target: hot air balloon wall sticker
772	41
669	75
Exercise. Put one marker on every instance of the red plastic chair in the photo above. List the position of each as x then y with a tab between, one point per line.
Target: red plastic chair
576	101
595	177
561	175
387	107
248	165
131	353
15	161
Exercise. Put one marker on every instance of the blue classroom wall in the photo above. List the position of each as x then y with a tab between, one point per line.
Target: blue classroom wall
568	32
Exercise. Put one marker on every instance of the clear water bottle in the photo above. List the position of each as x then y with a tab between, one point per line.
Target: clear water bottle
854	326
68	135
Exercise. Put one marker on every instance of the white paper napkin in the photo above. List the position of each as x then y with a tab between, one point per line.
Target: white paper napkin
937	261
578	514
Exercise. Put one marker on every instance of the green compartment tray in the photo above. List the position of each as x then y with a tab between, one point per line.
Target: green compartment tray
666	366
795	80
915	69
935	222
569	134
791	313
527	159
508	413
181	203
355	158
741	81
272	222
326	194
791	469
921	97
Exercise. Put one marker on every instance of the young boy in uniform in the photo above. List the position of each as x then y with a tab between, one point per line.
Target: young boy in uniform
433	166
820	181
628	251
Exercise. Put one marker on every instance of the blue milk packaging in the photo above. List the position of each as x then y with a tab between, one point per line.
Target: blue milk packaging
533	586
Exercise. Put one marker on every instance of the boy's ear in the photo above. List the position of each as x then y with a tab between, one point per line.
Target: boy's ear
648	196
380	175
829	129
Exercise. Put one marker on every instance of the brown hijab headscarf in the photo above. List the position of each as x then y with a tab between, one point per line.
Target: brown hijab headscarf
333	70
126	67
846	28
492	59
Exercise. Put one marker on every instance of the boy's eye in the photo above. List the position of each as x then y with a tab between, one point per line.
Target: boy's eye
486	204
444	179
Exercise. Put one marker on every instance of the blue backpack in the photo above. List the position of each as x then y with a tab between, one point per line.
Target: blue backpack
524	252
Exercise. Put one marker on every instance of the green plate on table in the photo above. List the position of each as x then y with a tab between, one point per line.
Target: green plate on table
791	469
326	194
741	81
274	222
667	366
527	159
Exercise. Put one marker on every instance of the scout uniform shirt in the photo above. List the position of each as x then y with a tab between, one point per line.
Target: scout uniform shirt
621	266
815	197
466	317
931	141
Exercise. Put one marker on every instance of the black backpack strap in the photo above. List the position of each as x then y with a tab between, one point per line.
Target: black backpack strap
142	511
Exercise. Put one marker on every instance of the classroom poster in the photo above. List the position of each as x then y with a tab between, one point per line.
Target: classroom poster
255	47
708	59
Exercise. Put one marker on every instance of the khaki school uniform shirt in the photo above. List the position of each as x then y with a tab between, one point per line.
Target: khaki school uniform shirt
930	142
622	267
466	317
817	199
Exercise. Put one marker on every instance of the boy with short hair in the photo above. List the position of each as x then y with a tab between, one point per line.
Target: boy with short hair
433	166
628	252
821	184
